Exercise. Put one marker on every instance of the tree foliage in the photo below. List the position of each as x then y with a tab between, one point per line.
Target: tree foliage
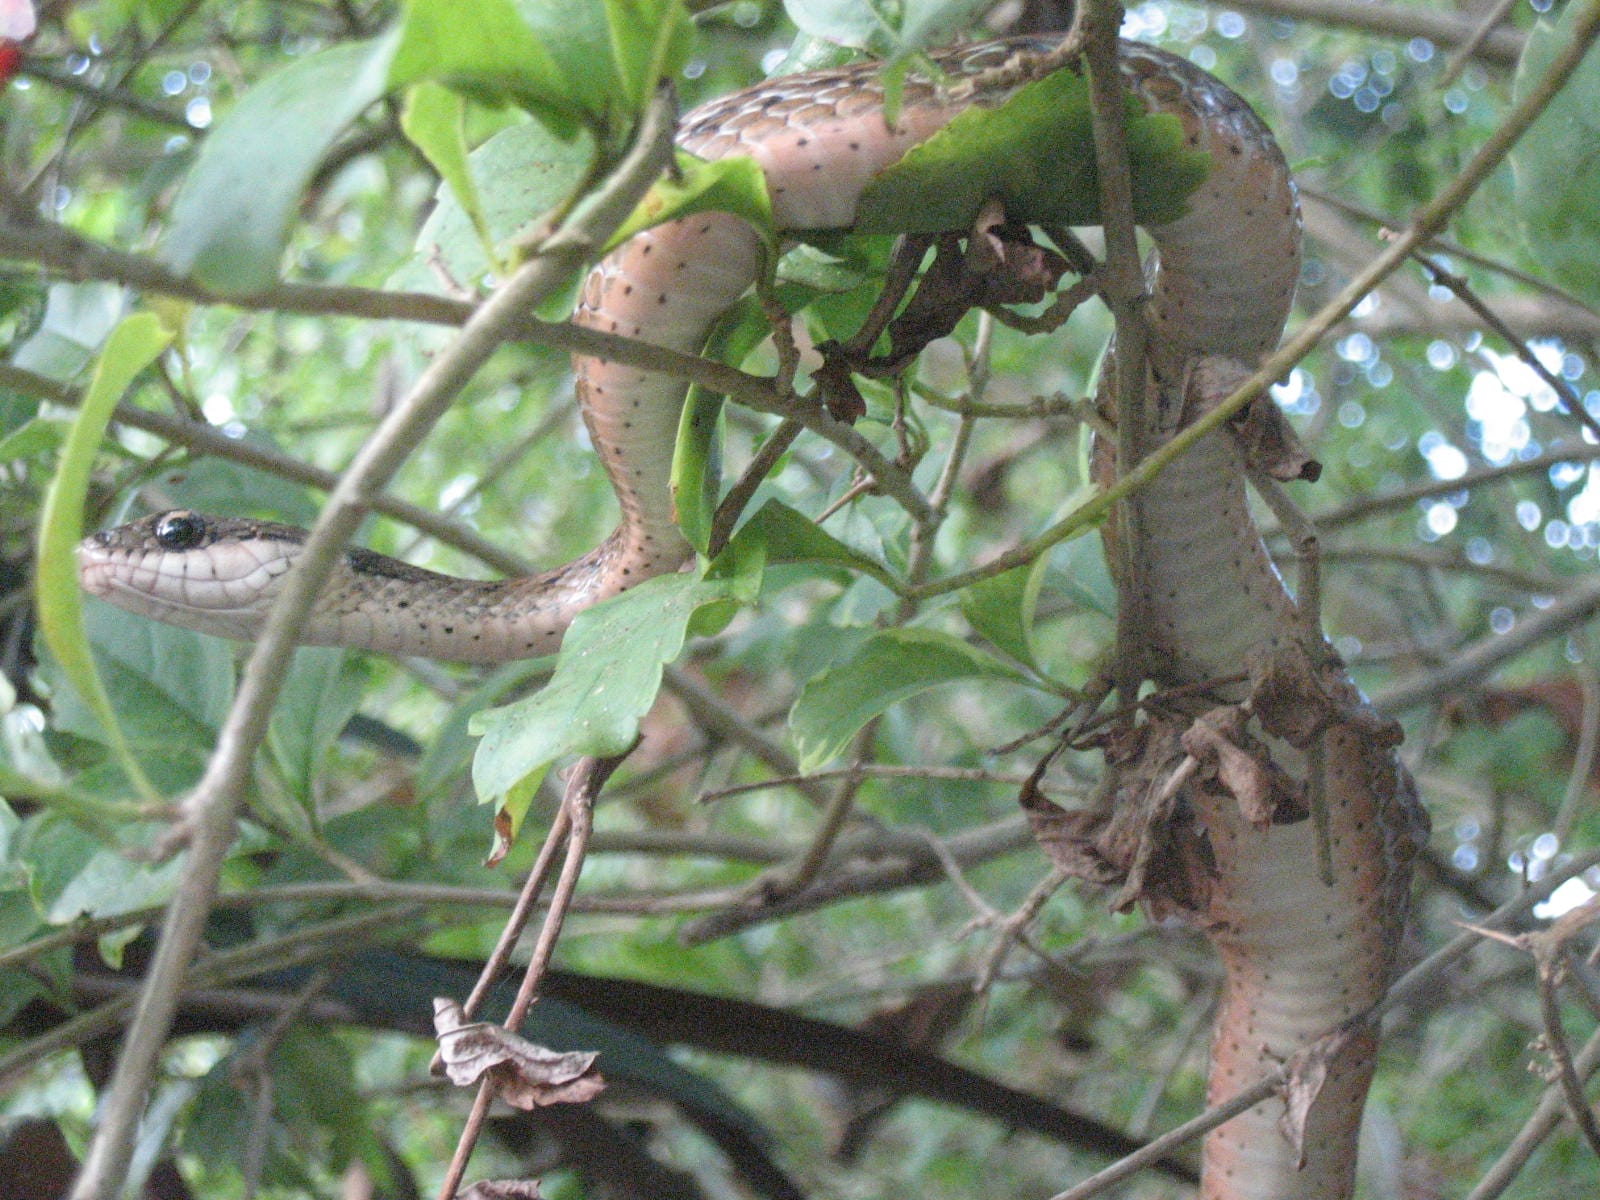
252	227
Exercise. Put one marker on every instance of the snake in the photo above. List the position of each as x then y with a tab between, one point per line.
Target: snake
1303	958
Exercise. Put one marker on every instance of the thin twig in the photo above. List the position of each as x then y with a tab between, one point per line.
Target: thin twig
1543	1121
577	818
1436	24
1583	759
212	810
1467	50
1462	291
1364	507
1475	662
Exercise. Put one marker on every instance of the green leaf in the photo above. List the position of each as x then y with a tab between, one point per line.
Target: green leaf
182	680
435	121
650	41
1036	153
891	666
322	691
605	681
132	346
520	174
211	484
791	537
484	49
37	436
233	214
932	22
858	23
75	874
696	458
735	185
78	318
449	752
1556	162
1001	608
697	466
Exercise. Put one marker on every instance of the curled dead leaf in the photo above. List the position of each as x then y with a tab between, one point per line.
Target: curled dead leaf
502	1189
525	1075
1242	765
1308	1072
1069	839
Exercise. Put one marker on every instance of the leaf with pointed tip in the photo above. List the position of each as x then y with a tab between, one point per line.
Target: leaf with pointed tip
891	666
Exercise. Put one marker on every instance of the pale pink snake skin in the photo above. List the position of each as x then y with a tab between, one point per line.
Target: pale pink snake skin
1302	958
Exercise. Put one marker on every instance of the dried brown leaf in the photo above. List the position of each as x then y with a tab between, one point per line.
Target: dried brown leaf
525	1075
502	1189
1069	838
1308	1072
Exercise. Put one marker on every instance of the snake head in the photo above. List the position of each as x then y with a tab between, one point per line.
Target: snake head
215	574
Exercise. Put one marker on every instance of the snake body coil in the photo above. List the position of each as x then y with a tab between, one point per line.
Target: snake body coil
1302	957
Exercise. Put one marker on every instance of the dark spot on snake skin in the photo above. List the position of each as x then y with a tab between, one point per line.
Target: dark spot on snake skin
706	228
648	246
402	604
449	628
855	145
661	299
802	141
816	166
627	289
682	264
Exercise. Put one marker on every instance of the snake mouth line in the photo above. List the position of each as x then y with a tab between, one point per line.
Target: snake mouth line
100	580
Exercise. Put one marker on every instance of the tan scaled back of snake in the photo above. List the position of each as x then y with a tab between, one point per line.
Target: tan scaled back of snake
1302	956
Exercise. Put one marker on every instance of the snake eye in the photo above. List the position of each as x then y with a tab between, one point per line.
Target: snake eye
180	531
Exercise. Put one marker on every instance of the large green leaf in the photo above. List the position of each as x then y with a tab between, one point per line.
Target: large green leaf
1036	153
319	696
893	665
73	874
232	216
735	185
1002	608
650	41
791	537
132	346
605	681
898	25
1556	164
485	49
520	174
435	121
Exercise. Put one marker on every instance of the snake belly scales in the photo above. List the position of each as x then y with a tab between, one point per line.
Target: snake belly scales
1302	957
